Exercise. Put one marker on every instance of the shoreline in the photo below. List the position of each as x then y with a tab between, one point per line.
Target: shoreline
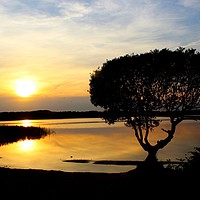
51	184
47	114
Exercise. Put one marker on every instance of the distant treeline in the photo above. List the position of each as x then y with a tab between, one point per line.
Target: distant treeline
46	114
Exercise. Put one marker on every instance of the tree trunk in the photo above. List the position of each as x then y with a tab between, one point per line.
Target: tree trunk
150	164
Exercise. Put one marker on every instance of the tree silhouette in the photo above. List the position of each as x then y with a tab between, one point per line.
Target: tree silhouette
133	88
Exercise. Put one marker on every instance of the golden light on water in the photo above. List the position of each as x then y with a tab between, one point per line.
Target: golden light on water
25	87
26	123
26	145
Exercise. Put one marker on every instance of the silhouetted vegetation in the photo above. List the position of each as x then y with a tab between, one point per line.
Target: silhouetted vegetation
190	165
133	88
46	114
10	134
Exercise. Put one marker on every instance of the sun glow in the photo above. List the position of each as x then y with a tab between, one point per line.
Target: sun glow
25	87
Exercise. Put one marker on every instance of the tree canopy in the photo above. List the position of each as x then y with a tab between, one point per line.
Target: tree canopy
133	87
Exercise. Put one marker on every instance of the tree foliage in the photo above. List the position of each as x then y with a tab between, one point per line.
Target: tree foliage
133	87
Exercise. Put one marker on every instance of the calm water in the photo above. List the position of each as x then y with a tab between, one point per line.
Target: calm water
91	139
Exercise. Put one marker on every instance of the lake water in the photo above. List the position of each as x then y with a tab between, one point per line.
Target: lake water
91	139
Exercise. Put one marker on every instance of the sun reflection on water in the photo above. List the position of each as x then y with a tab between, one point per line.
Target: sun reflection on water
26	122
26	145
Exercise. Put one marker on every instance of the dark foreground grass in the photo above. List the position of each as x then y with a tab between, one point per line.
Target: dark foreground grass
42	184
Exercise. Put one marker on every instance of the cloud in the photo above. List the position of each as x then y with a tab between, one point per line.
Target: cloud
190	3
94	25
73	9
194	45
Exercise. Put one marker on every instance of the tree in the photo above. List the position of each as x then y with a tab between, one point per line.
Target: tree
135	88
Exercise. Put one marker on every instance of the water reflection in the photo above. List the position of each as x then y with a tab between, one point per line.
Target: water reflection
91	139
26	145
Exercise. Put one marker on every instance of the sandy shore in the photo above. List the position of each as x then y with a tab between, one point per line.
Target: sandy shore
43	184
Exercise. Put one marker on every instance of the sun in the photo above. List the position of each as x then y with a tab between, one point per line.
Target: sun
25	87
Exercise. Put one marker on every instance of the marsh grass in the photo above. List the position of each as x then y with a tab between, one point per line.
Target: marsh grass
10	134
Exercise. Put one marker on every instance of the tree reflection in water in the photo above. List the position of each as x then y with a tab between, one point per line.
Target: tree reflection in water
10	134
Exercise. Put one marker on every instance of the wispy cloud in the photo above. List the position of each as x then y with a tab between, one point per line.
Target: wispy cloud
190	3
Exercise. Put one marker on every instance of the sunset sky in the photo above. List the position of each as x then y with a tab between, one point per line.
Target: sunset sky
49	47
